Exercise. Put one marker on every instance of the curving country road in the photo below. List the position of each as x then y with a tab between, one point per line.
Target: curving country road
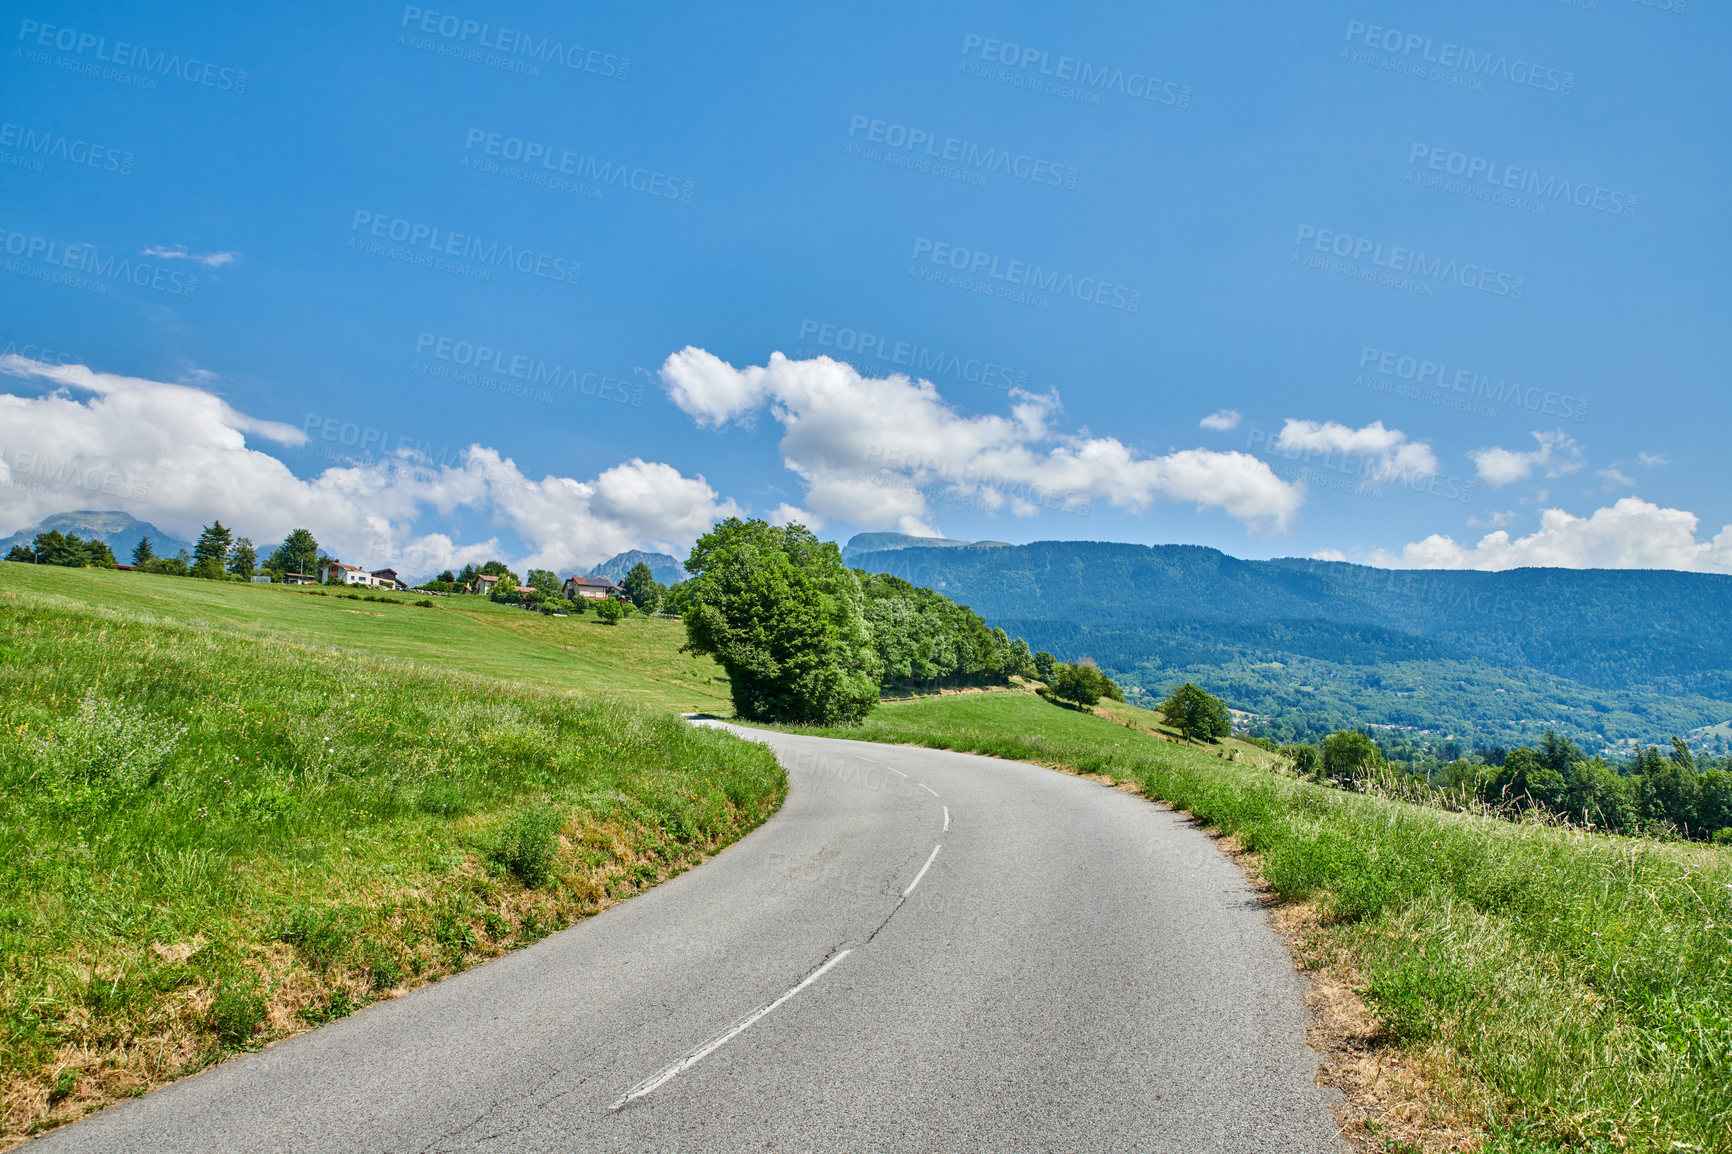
922	951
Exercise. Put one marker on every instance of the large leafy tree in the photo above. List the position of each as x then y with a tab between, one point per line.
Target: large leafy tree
785	618
545	582
1197	713
299	553
1082	683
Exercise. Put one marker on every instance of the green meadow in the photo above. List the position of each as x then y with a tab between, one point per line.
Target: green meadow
637	660
229	813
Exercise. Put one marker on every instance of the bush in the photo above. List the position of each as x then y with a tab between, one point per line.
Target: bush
526	845
610	611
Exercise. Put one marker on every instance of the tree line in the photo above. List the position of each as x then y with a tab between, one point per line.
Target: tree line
1667	793
804	639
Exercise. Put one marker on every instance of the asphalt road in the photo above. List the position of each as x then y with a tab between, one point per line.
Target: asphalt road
923	951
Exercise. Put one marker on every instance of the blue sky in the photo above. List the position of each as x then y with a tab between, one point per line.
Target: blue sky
1457	269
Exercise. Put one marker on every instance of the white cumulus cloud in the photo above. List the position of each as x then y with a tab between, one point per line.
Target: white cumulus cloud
1556	455
1385	454
1221	420
179	456
875	452
1631	534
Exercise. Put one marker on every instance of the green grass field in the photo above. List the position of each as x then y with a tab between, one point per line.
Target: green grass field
221	823
1579	986
637	660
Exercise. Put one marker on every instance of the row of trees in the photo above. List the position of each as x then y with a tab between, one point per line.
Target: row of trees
68	549
805	639
1665	792
218	556
924	640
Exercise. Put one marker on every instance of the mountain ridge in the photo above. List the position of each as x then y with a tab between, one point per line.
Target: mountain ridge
121	531
1606	655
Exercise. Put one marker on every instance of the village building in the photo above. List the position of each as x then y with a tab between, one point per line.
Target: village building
591	589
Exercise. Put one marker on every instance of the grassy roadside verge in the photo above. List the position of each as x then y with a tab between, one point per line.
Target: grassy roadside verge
210	840
1564	990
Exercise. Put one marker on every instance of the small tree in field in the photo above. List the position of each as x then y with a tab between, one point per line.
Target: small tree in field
1197	714
610	611
1082	684
1349	755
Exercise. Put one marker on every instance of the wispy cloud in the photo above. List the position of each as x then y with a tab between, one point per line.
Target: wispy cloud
180	252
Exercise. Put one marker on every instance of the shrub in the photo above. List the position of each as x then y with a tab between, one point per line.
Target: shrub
610	611
1082	683
526	845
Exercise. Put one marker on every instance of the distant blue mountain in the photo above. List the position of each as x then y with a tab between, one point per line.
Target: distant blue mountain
667	569
120	530
862	543
1605	656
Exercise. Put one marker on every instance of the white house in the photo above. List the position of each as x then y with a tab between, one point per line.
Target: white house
337	573
591	588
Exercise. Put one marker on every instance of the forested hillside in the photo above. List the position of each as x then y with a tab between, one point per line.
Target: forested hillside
1607	656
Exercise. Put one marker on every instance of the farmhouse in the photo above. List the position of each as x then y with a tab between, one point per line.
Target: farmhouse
591	588
337	573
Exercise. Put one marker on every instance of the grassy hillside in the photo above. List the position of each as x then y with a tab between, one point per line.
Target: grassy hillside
637	660
1561	990
214	832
